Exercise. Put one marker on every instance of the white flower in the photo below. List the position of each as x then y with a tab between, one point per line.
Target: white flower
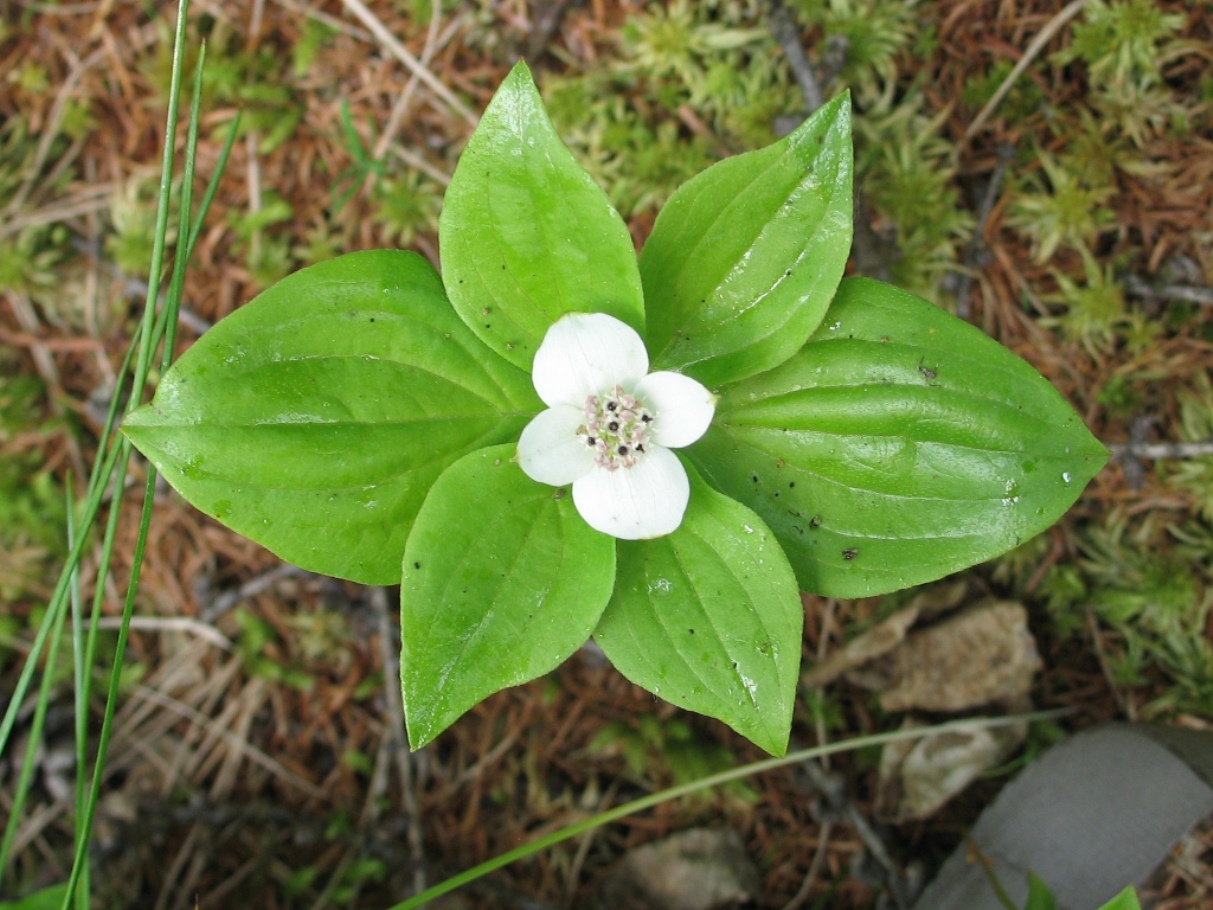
610	425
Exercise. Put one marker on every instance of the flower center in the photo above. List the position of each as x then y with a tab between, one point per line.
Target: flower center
617	427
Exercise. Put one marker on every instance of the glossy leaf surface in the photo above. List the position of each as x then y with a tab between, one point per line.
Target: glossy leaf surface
50	898
526	235
502	581
314	419
709	618
1039	895
1125	900
899	445
745	257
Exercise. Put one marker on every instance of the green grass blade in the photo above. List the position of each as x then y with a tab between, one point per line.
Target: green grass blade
85	823
58	598
212	185
26	775
706	783
172	302
146	342
80	685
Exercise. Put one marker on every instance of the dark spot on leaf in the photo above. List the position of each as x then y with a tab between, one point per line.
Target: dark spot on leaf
791	484
754	477
372	319
691	631
416	565
850	553
815	521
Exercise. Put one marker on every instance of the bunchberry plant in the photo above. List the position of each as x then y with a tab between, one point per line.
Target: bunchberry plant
558	439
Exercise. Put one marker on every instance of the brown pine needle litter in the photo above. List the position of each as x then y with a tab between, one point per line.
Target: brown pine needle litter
258	758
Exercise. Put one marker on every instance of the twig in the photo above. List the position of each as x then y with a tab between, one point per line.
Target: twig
975	855
1006	152
810	878
1155	450
58	345
401	53
546	23
54	213
256	16
786	32
1052	27
393	724
250	588
400	108
414	160
1185	292
251	141
170	624
583	850
1093	629
27	318
50	131
244	748
336	23
841	806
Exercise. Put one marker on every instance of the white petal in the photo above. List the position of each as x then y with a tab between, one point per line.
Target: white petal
549	450
647	500
586	354
683	407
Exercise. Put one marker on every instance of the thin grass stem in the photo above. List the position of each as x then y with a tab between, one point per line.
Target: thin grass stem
26	775
58	599
146	340
706	783
80	685
111	699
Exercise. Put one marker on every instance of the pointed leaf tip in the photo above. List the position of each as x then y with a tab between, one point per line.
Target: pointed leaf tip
526	235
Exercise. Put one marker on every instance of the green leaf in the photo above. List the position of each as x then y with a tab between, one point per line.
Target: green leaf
745	257
502	581
899	445
315	419
526	235
1126	900
1039	895
47	899
710	619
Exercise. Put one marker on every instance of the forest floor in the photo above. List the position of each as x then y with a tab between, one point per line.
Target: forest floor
256	760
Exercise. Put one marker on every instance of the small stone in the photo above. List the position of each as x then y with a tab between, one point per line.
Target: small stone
696	869
981	656
918	776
